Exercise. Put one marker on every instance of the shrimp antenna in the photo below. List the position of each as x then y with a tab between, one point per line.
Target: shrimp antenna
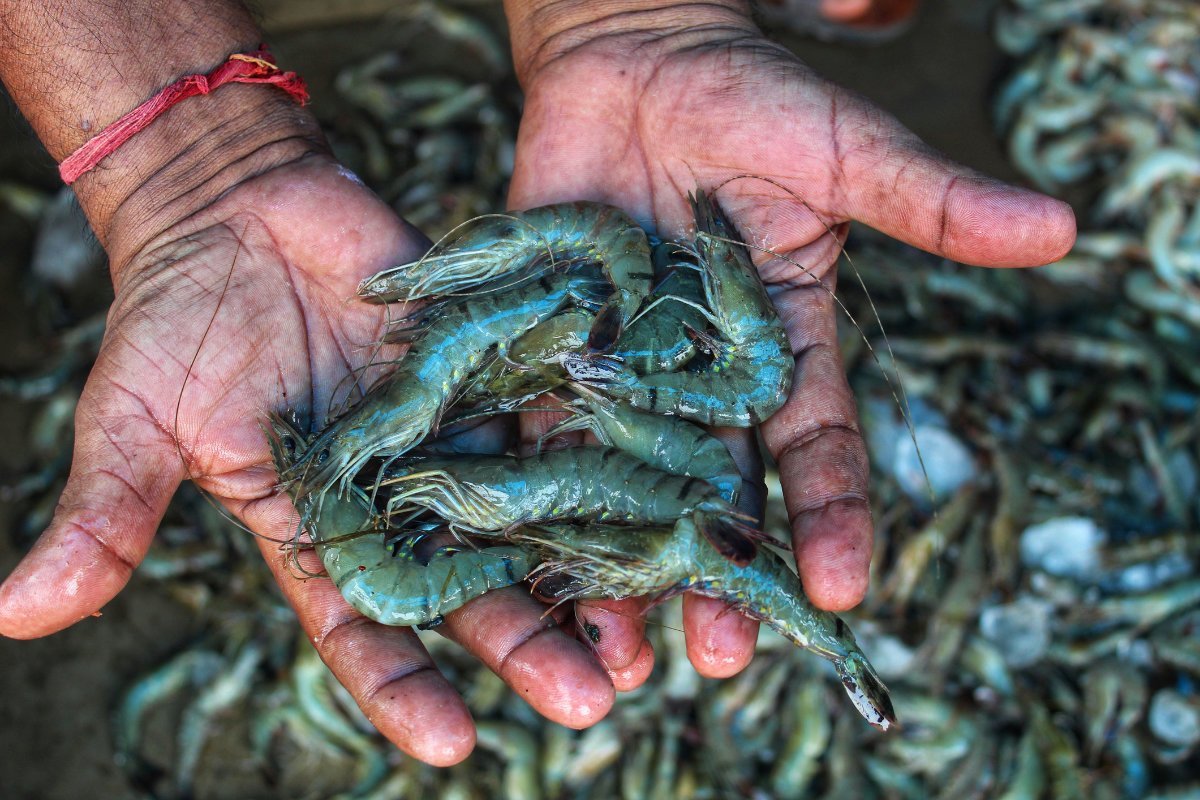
187	466
899	395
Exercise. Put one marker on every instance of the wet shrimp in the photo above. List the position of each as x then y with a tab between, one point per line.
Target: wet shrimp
390	589
751	372
503	246
493	494
668	443
600	561
404	407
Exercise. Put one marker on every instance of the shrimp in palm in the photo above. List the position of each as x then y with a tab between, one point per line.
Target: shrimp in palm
393	589
500	247
603	561
751	373
405	406
668	443
493	494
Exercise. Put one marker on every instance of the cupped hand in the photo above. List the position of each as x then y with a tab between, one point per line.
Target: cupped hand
244	307
639	108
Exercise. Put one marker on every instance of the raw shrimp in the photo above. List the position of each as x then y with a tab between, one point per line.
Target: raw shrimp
493	494
393	590
599	561
751	374
403	408
503	246
668	443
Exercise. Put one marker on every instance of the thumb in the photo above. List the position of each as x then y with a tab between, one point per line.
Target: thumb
124	471
894	182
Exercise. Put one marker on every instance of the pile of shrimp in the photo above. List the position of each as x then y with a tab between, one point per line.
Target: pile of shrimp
569	306
1106	96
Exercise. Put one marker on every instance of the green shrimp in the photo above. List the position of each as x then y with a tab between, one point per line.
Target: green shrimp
530	367
403	408
493	494
661	338
606	561
671	444
503	246
393	590
751	373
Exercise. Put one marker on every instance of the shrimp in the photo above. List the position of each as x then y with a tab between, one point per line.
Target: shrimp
751	373
659	339
600	561
392	590
530	367
668	443
502	246
493	494
403	408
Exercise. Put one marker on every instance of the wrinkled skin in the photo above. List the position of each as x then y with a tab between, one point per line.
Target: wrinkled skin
696	107
679	111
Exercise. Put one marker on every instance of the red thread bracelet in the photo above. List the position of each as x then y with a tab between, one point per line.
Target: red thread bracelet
256	67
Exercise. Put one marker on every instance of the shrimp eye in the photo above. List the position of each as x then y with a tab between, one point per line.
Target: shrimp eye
289	444
322	456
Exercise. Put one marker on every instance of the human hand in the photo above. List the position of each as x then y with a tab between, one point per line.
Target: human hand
636	107
232	301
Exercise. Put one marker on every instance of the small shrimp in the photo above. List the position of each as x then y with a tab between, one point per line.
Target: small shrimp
493	494
507	245
403	408
388	589
602	561
751	373
668	443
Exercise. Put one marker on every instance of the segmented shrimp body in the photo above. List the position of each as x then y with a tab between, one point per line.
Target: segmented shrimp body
500	247
393	589
598	561
482	494
402	409
750	375
670	444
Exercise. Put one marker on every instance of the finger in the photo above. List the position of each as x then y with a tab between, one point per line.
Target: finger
720	641
510	632
615	631
822	459
387	670
891	180
123	473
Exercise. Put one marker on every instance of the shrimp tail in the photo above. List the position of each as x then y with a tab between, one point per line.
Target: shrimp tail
866	691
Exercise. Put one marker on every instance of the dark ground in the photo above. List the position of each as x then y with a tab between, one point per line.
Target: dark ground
56	694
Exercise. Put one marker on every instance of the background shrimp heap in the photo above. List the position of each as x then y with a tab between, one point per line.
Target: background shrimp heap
1038	635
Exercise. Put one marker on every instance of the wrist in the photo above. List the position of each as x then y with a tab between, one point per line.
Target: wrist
73	68
544	30
190	155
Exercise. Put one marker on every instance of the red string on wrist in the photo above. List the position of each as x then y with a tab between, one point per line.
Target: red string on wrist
256	67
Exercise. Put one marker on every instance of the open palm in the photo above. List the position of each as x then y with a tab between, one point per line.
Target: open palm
639	120
248	306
